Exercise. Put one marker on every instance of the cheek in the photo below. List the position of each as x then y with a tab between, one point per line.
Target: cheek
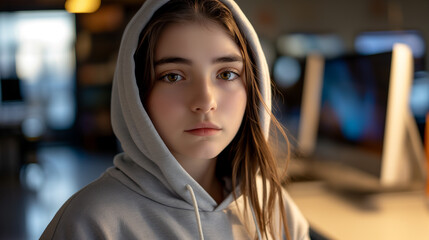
235	104
163	106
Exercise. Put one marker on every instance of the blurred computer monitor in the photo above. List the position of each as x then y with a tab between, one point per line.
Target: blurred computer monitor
297	71
365	127
297	105
373	42
354	105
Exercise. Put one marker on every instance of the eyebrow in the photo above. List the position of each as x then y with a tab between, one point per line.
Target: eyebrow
227	59
179	60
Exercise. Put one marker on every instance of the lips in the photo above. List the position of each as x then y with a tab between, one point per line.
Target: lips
204	129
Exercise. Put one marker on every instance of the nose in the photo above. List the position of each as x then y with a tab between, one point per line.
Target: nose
203	96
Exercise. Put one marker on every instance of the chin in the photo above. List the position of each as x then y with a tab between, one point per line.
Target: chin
207	155
206	152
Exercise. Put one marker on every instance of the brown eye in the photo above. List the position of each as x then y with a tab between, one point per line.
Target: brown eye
171	77
227	75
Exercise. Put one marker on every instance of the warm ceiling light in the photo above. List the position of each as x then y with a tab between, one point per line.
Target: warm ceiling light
82	6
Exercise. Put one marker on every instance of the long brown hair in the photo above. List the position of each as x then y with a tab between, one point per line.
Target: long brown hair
249	153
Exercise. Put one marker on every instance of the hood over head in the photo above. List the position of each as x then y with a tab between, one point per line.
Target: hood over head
150	167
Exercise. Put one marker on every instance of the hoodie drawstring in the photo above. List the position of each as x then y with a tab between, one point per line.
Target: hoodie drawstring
197	213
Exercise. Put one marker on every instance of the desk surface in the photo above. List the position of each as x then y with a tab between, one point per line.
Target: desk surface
400	215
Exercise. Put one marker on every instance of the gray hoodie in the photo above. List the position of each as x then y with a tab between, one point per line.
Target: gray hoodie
147	194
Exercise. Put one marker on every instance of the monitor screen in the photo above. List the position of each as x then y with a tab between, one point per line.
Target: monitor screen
383	41
353	108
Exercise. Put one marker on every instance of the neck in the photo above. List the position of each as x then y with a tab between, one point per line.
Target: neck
203	171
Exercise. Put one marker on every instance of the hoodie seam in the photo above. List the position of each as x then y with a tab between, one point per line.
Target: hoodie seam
69	204
62	215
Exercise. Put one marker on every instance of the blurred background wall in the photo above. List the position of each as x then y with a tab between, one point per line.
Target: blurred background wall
347	18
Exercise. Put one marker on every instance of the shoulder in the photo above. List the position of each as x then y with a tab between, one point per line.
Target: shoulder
298	225
84	215
103	192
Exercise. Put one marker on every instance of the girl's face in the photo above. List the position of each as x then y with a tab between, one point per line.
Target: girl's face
198	99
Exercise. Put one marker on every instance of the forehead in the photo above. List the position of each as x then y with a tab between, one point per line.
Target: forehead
195	39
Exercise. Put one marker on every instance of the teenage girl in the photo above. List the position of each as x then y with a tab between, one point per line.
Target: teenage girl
191	108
